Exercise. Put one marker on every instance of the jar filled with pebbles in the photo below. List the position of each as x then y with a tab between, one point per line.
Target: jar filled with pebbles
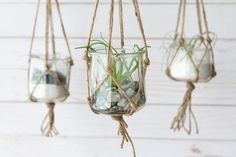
127	70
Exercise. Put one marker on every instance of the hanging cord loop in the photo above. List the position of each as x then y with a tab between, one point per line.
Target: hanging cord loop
87	57
47	128
186	106
64	32
48	16
31	47
109	55
179	120
122	131
180	26
139	19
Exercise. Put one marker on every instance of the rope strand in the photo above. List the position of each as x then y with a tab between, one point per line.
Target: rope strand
122	42
179	120
123	133
47	34
111	14
47	128
87	58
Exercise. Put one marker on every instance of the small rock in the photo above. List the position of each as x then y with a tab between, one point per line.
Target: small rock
107	105
113	96
101	107
123	103
135	85
125	85
136	98
100	101
130	92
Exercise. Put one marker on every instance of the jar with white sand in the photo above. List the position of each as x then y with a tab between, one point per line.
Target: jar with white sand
49	85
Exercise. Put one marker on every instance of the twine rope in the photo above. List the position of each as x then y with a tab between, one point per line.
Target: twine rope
122	36
123	133
87	57
179	120
47	127
109	58
47	33
109	73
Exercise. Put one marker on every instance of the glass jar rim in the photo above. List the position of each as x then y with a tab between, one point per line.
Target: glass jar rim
51	57
129	52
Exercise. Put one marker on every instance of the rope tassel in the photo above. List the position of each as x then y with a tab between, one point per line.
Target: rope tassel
48	129
124	133
179	120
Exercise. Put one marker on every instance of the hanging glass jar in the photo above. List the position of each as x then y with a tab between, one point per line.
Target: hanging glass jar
115	94
49	85
49	71
116	74
190	60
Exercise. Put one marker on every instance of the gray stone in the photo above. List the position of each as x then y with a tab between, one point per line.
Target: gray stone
123	103
136	98
113	96
135	85
130	92
125	85
107	105
100	100
101	107
100	103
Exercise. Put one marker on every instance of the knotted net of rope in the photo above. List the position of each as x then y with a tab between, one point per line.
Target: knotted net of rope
122	124
205	40
48	129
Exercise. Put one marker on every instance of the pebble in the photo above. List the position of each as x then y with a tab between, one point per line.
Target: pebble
123	103
130	92
125	85
113	96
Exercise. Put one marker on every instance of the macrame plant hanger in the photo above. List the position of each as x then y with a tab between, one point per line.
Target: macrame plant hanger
207	42
122	131
48	129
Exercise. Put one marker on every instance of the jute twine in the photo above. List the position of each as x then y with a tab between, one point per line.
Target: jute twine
109	74
47	127
180	119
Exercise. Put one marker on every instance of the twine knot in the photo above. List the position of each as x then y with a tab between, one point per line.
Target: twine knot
122	131
71	62
214	73
179	120
167	72
209	40
89	100
109	70
190	86
147	61
86	57
181	41
133	109
48	129
202	39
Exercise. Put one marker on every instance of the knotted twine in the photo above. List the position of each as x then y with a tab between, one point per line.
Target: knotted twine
48	129
122	124
179	120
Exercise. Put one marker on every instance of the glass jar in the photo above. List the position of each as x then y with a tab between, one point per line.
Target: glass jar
127	69
50	85
193	63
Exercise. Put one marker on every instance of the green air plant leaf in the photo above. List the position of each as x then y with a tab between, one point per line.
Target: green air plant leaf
121	71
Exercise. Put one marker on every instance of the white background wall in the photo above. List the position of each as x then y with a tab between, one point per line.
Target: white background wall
84	134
